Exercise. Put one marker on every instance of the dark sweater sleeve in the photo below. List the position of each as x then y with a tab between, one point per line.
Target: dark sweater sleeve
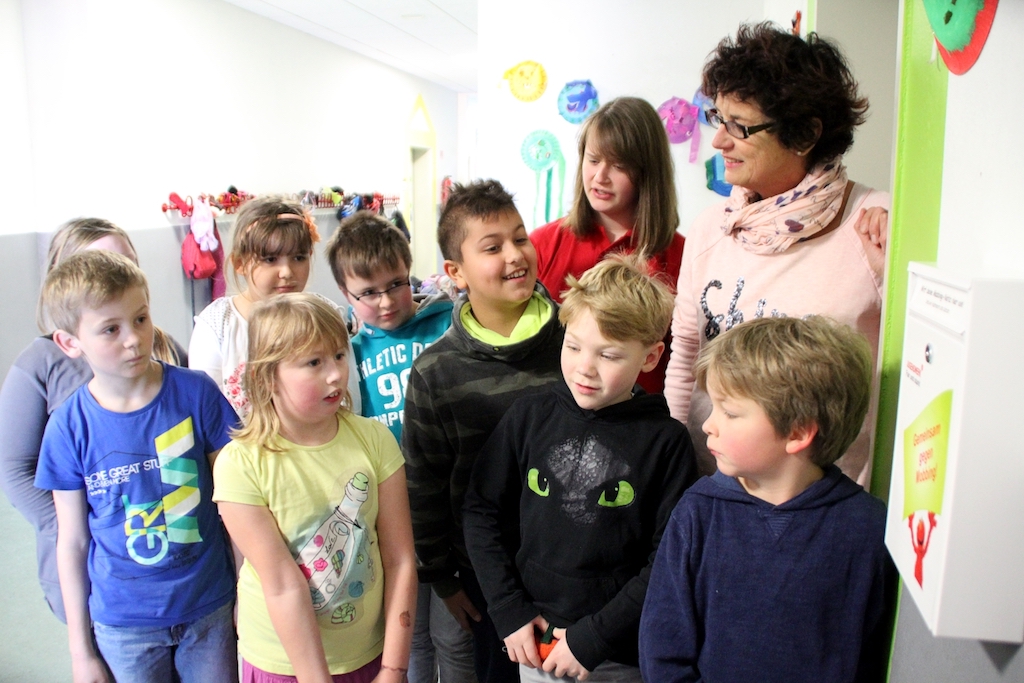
491	519
429	462
594	637
670	633
874	656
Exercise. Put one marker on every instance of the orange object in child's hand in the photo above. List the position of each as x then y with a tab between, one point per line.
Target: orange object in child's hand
547	642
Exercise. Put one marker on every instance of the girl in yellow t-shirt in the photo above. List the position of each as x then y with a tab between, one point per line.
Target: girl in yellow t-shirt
300	490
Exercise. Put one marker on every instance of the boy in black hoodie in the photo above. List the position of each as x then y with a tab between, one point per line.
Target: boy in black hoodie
570	495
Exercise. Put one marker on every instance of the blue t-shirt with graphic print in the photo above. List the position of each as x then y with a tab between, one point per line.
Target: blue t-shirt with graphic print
385	357
158	555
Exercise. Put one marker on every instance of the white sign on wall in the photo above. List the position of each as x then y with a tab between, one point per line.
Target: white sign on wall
956	497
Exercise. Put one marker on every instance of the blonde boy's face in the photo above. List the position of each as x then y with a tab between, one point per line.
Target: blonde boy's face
117	337
385	300
499	263
743	439
601	372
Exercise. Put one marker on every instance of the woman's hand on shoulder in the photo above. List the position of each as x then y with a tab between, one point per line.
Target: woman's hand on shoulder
872	227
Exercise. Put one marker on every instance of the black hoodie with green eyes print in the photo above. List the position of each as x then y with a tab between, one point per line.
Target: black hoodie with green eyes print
564	513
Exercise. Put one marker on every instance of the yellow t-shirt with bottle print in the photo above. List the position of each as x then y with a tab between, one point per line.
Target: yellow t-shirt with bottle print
324	499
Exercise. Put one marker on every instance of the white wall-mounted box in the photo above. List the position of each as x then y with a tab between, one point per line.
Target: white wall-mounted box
955	525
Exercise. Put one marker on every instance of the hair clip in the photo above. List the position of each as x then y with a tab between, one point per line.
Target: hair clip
306	219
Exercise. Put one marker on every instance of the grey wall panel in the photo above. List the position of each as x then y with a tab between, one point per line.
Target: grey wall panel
171	293
920	657
20	287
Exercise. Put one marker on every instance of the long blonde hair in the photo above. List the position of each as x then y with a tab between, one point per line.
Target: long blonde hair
280	328
75	236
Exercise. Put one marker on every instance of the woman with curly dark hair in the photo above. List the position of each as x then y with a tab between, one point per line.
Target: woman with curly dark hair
793	238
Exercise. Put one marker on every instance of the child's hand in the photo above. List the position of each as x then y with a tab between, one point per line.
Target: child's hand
522	644
562	662
390	674
462	608
89	669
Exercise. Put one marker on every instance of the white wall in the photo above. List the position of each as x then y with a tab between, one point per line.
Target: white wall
109	105
15	152
981	231
866	31
653	49
128	101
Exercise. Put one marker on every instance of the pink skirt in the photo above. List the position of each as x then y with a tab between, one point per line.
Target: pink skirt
364	674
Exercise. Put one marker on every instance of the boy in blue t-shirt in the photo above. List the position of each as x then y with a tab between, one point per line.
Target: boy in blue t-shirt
775	567
144	566
370	259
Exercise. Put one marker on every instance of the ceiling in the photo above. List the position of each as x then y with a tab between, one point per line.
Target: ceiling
433	39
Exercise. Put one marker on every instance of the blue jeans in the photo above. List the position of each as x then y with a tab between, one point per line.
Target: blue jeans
439	644
198	651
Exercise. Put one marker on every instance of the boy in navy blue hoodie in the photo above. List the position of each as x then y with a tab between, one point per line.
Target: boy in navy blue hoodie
570	495
774	568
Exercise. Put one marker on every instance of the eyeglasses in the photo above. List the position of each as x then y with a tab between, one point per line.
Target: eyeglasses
737	130
373	297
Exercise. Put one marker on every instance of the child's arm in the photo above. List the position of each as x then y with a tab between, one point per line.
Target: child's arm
212	457
285	588
204	352
236	553
394	533
879	621
685	344
490	515
24	410
430	459
73	538
671	632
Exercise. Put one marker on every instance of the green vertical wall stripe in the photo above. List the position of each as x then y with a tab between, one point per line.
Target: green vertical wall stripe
914	220
917	190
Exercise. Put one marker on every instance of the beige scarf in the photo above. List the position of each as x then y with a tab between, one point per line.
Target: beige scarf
772	225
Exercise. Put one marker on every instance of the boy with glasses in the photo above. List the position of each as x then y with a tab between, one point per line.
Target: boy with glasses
370	259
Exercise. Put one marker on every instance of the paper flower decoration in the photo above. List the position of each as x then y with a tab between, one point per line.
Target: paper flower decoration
543	155
681	123
961	28
577	101
527	81
702	102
